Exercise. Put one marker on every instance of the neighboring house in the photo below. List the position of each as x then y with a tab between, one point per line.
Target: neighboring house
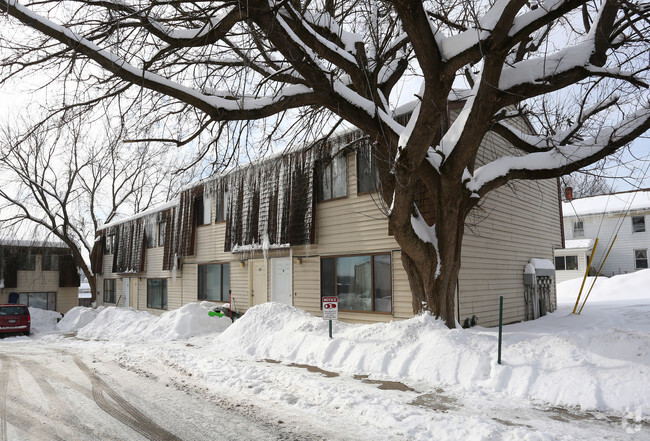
43	275
602	217
310	223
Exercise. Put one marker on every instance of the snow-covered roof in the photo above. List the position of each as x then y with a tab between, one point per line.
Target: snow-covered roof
31	243
152	210
609	203
579	243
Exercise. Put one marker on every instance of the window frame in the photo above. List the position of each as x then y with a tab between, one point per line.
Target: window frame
201	284
637	259
578	232
373	281
364	156
110	244
150	234
106	290
221	207
565	264
203	211
635	226
326	167
53	262
163	297
26	262
51	299
162	232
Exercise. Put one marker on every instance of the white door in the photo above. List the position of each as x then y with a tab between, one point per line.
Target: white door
133	292
126	291
258	268
281	281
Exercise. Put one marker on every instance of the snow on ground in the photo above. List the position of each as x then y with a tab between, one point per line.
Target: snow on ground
43	321
598	361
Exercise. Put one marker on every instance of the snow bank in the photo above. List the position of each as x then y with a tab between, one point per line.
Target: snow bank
597	360
42	320
77	318
126	324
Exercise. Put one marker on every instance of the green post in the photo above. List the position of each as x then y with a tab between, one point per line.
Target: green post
500	326
330	328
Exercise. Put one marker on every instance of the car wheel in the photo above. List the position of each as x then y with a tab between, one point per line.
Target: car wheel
26	334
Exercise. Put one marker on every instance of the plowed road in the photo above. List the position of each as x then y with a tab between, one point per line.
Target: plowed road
53	394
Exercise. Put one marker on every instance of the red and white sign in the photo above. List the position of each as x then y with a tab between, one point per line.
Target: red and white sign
330	308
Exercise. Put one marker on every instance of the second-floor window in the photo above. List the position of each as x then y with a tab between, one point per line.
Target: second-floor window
221	207
333	178
367	174
638	224
26	262
162	230
50	262
203	212
150	234
578	229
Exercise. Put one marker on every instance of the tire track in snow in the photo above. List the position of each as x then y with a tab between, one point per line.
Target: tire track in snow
125	413
7	366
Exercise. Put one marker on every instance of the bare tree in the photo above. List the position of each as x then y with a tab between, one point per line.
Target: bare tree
220	72
66	179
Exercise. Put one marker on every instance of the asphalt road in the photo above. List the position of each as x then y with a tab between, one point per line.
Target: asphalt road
53	394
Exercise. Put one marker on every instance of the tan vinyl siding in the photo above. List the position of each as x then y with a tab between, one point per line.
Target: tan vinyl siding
306	285
239	285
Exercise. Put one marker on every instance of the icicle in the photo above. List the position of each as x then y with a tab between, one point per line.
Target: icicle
175	268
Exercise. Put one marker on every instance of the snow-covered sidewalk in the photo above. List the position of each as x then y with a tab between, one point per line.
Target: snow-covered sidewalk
593	370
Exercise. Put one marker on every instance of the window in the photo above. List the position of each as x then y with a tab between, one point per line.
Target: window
214	282
568	263
203	210
221	207
26	262
362	283
109	290
640	259
578	229
150	234
110	244
333	178
157	293
367	173
41	300
638	224
50	262
162	231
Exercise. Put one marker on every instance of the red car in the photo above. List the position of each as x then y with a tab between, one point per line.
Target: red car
15	319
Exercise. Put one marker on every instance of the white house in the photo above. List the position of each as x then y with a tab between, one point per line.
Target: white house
621	215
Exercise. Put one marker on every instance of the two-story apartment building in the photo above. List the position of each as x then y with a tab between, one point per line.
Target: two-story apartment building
621	214
40	275
307	224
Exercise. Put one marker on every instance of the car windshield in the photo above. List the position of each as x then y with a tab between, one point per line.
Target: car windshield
13	310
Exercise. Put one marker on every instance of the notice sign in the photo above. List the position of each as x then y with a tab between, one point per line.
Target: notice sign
330	308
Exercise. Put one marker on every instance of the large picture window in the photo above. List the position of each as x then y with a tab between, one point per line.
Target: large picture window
362	283
41	300
214	282
568	263
109	290
157	293
333	178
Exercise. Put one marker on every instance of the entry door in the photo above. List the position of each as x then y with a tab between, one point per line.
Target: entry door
281	281
133	293
258	268
126	291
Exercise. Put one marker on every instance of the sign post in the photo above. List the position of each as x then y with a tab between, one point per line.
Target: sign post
330	310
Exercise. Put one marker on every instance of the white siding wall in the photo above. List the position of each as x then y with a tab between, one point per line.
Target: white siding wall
604	227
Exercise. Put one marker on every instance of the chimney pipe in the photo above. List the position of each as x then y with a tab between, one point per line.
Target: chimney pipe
568	194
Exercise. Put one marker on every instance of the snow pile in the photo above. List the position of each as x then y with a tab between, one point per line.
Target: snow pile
126	324
402	349
77	318
597	360
42	320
